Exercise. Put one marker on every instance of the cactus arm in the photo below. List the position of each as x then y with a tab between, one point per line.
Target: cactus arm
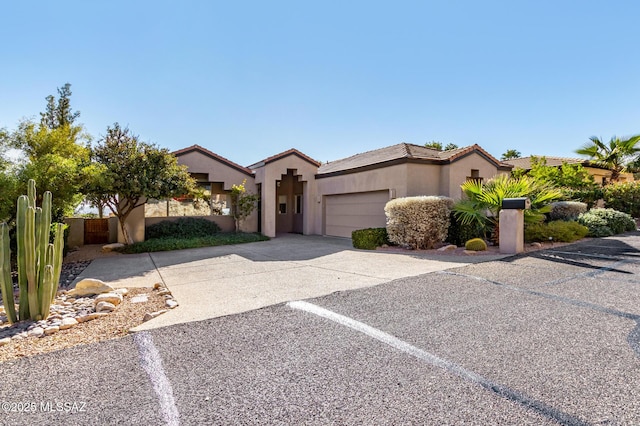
29	238
31	192
43	224
47	284
6	284
58	253
23	204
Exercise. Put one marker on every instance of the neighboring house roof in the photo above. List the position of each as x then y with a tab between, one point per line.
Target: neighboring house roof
214	156
284	154
525	162
402	153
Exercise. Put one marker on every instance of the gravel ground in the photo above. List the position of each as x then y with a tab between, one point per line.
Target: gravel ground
117	324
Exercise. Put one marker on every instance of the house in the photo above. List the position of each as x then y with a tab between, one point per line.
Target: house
299	194
601	175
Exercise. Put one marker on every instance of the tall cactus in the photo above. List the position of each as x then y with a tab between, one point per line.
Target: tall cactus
39	262
6	284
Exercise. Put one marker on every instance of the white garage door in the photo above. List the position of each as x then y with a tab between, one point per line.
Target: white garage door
347	212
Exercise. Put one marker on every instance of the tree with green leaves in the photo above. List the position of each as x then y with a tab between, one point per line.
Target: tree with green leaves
450	146
617	155
243	203
434	145
510	154
54	153
125	172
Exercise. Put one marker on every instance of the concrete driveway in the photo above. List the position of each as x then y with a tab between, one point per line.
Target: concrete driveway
215	281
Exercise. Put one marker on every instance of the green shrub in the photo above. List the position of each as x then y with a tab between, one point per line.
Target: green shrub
567	210
173	243
419	222
184	227
459	233
624	197
589	195
370	238
606	222
559	230
475	244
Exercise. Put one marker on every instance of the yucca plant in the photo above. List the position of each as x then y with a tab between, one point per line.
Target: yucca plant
39	261
484	201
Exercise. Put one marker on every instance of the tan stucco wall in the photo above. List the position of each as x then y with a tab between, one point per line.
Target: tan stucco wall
135	226
455	174
600	174
423	179
267	176
76	231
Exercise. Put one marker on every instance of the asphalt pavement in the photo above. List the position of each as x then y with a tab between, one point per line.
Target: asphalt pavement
550	337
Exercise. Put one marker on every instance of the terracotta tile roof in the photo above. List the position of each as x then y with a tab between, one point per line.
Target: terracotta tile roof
284	154
525	162
403	151
212	155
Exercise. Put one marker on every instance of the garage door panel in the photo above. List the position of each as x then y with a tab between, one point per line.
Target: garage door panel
345	213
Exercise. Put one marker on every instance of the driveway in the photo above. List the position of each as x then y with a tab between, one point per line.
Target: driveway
216	281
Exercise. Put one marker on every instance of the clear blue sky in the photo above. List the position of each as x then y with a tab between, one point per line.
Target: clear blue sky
248	79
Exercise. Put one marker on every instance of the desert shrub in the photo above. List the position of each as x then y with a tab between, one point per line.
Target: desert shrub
624	197
184	227
589	195
370	238
460	232
475	244
177	243
419	222
559	230
566	210
606	222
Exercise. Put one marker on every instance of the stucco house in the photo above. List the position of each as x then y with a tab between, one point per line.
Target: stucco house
299	194
601	175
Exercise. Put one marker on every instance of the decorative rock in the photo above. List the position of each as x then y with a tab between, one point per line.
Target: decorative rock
536	245
111	247
36	332
4	341
163	292
148	316
156	286
91	316
450	247
113	298
68	323
141	298
170	303
470	252
51	329
89	287
122	291
105	307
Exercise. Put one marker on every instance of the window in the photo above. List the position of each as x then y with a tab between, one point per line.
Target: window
475	175
282	204
298	204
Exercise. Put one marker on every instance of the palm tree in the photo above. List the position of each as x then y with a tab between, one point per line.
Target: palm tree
510	154
616	156
483	202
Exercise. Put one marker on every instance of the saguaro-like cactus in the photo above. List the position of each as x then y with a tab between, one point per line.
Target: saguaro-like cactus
6	284
39	262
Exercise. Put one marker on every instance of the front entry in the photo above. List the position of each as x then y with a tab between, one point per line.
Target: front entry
289	191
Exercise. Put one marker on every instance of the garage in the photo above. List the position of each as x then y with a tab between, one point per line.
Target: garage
345	213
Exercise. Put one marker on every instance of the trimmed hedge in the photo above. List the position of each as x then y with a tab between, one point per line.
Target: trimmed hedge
418	222
559	230
370	238
567	210
184	227
606	222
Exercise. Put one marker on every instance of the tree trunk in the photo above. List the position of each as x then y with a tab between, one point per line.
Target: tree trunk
125	231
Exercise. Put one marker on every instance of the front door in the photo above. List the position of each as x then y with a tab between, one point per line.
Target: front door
289	197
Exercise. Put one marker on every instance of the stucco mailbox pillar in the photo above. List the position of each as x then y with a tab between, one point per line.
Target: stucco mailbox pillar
512	225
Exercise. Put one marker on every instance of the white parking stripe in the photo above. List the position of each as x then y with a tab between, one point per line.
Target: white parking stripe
501	390
152	364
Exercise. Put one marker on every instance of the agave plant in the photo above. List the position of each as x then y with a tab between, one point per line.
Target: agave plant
484	200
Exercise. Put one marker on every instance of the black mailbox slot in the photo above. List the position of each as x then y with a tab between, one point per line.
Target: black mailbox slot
516	203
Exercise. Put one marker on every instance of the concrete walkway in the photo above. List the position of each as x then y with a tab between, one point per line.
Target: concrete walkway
216	281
